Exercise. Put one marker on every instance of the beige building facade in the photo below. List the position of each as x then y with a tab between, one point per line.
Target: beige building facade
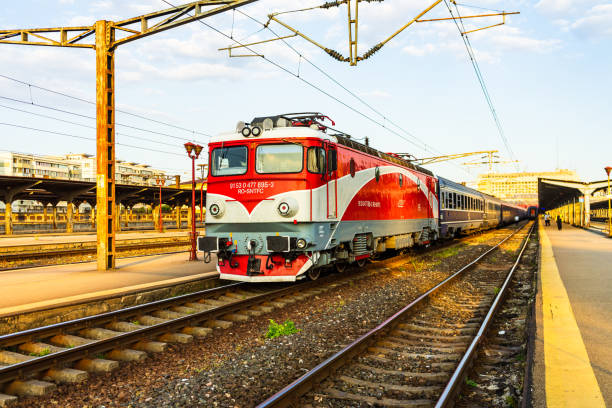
79	167
519	188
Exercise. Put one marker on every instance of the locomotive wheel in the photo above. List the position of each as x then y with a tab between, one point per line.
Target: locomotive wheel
340	267
361	263
314	273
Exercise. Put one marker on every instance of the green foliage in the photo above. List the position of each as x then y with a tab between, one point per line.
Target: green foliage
285	329
511	401
447	252
497	290
471	383
41	353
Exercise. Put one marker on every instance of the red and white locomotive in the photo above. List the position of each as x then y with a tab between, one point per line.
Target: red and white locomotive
287	197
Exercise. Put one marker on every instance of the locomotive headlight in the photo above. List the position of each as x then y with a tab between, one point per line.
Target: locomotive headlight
301	243
246	131
216	209
256	131
287	206
283	208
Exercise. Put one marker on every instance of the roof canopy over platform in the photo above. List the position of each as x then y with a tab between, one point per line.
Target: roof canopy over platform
554	194
52	191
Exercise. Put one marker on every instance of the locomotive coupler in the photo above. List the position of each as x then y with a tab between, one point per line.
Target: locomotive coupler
253	264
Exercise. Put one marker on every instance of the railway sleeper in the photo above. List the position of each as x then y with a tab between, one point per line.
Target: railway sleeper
150	346
430	391
65	375
181	338
432	377
7	400
69	341
196	331
127	355
374	401
98	333
236	317
167	314
444	331
29	388
218	324
443	367
96	365
416	356
389	343
442	339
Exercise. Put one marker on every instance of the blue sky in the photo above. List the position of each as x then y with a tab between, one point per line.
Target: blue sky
547	70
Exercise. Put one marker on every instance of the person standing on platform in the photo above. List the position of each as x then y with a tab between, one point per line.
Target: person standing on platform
547	219
559	222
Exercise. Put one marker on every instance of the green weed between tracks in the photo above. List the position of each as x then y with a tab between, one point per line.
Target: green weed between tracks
285	329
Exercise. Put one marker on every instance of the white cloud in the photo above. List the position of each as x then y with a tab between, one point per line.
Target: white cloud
419	51
596	23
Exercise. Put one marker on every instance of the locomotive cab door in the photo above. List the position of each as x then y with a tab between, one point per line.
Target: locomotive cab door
332	182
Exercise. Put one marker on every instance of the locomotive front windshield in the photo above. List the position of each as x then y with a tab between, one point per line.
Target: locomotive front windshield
229	161
279	158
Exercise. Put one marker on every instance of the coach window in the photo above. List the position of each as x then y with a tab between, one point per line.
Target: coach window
401	180
229	161
352	167
316	160
279	158
455	200
332	161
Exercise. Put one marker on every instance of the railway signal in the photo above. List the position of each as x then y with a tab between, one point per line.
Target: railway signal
104	37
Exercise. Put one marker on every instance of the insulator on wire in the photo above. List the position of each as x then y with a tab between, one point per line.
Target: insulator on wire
331	4
335	54
372	51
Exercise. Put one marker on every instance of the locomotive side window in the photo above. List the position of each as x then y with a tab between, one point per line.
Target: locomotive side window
316	160
332	162
401	180
279	158
352	167
229	161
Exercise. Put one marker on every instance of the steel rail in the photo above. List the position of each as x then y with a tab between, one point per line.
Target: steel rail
123	340
85	251
446	399
289	395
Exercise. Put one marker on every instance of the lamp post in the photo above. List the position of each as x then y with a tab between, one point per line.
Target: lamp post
193	151
608	170
202	167
160	180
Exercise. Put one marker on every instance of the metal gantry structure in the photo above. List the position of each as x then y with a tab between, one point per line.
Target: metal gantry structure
104	37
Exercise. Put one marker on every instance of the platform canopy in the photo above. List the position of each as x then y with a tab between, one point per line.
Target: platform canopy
52	191
553	194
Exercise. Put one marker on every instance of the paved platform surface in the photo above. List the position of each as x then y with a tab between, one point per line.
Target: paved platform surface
35	288
17	240
573	359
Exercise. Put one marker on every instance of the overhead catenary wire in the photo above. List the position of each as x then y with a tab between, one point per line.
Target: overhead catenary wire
301	78
425	146
31	85
94	118
86	138
479	76
85	126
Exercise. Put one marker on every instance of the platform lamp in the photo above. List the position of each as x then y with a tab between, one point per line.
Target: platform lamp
193	151
608	170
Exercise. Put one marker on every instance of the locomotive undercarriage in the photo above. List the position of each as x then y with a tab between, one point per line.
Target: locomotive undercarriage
292	251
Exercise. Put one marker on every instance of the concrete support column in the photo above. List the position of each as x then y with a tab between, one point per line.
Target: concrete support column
44	213
587	210
126	216
92	217
177	211
69	217
54	218
8	217
190	219
155	215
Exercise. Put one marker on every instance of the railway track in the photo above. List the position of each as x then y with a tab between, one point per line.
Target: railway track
420	356
43	255
32	361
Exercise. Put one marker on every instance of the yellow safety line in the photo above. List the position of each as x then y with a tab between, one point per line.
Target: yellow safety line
570	380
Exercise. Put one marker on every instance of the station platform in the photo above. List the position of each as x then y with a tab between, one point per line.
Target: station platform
573	341
27	290
38	239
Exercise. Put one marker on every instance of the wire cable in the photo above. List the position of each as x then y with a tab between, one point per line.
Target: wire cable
86	138
85	126
481	80
94	118
425	147
30	85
